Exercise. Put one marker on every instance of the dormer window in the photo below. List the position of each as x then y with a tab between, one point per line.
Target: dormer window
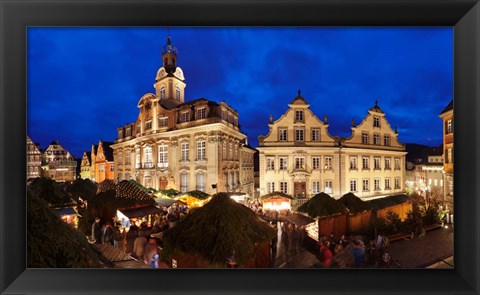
120	133
148	125
162	121
201	113
138	128
376	122
128	132
299	116
184	117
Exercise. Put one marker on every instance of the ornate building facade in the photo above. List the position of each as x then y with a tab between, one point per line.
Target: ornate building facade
193	145
58	163
34	159
447	117
86	165
102	162
299	156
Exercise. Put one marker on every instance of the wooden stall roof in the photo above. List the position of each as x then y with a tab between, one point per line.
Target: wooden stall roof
298	219
117	257
140	211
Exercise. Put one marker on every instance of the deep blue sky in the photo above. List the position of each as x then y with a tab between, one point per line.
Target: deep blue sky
83	83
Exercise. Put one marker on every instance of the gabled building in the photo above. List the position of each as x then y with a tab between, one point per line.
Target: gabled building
447	117
58	163
185	145
86	165
299	157
102	162
34	159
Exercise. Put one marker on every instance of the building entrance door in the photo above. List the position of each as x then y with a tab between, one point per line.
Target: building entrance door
162	184
300	189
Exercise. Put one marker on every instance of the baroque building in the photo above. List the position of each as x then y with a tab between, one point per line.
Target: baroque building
102	162
58	163
299	156
86	165
184	145
447	117
34	159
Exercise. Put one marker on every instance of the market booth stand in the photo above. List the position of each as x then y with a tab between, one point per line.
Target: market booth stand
277	201
220	234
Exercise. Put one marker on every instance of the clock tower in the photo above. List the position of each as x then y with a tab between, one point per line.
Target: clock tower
170	82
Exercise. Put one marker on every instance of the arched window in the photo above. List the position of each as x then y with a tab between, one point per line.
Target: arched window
162	93
177	93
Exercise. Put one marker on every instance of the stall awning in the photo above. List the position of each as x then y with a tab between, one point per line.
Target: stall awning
65	211
298	219
165	202
140	211
119	258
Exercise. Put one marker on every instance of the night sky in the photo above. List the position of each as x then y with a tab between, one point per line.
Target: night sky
83	83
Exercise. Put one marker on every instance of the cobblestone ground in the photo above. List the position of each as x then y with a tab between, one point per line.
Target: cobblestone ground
437	245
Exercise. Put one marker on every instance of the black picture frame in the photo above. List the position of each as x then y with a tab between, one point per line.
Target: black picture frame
17	15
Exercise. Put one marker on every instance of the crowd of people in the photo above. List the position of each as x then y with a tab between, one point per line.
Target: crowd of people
352	252
142	241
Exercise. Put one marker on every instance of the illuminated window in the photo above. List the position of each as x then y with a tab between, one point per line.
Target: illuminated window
120	158
448	127
328	163
299	163
328	186
282	134
148	160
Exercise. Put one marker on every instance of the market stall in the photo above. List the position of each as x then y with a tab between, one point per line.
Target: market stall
277	201
194	198
68	214
139	214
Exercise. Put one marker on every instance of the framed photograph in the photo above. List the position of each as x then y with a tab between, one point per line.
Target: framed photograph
342	39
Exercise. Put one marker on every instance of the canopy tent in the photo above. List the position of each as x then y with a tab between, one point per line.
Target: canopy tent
218	230
167	202
322	205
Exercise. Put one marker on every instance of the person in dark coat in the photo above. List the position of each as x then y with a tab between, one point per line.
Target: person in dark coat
108	234
97	231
